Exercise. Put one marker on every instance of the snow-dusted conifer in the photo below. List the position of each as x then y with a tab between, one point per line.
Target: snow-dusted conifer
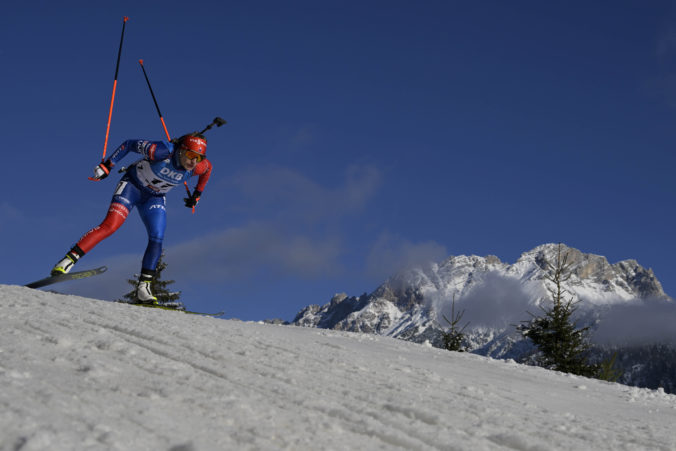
561	345
454	337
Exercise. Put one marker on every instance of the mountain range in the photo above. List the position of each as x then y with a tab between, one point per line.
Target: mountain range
624	304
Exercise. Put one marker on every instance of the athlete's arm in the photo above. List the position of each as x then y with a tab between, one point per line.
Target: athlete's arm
150	150
203	170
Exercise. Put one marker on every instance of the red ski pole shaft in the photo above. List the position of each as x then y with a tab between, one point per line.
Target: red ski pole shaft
112	100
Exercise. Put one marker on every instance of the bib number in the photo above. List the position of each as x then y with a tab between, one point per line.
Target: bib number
120	187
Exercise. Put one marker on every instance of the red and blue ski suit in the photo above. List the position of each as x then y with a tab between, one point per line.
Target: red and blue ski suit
144	186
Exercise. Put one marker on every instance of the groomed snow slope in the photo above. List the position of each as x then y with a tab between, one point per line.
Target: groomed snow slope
77	373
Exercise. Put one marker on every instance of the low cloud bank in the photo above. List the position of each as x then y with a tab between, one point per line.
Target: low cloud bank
641	322
496	301
502	302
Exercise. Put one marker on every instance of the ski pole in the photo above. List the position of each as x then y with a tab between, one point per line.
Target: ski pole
189	195
112	100
157	107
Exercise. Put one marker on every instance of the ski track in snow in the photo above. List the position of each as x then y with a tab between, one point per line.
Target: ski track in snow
78	373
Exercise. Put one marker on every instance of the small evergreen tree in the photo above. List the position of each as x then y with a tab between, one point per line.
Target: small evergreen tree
608	371
561	345
158	287
453	338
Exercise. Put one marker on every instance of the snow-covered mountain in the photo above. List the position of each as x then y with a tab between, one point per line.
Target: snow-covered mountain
624	302
78	374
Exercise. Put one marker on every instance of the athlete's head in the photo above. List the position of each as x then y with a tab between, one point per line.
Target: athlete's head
192	149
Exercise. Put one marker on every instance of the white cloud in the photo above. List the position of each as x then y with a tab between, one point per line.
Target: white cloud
391	254
294	227
497	301
285	194
258	249
638	323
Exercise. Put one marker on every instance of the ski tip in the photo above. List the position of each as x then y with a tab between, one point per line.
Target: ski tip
52	279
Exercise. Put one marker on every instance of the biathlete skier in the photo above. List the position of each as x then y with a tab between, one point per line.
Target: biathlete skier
144	185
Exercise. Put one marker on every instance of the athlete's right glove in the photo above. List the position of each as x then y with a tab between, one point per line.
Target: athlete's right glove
102	170
191	201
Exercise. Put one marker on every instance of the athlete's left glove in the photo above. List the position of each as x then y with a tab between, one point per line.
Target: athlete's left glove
102	170
191	201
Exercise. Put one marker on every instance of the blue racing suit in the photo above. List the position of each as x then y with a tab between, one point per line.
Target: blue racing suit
144	186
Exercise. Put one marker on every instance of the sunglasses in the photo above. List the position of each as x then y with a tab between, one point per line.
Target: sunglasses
190	155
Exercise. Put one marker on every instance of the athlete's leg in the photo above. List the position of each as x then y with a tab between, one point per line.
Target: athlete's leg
124	199
154	216
117	214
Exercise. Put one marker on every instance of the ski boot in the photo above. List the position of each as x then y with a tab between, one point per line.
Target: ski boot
144	295
66	263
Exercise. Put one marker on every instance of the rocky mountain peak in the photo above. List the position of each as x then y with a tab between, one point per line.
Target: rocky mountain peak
627	275
495	296
417	292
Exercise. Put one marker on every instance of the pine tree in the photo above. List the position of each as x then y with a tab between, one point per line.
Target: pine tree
561	345
608	370
453	338
158	287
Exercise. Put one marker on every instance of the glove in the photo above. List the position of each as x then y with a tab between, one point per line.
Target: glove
102	170
191	201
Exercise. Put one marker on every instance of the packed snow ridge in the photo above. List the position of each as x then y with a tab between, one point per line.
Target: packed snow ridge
78	373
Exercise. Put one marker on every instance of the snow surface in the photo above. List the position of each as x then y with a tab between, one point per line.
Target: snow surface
78	373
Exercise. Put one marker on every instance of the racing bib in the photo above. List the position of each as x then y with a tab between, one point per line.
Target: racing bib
160	176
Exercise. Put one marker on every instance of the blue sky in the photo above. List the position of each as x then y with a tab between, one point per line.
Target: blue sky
362	137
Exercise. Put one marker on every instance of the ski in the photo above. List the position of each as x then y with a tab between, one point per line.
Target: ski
64	277
164	307
212	315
